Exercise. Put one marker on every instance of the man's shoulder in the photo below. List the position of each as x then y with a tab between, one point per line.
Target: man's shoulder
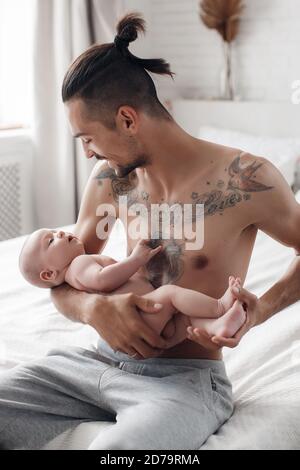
263	186
102	172
250	173
236	158
232	154
247	158
249	184
101	188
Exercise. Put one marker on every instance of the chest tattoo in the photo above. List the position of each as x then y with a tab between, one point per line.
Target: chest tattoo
168	266
126	186
240	185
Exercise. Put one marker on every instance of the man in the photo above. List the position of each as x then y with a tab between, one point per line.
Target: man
156	397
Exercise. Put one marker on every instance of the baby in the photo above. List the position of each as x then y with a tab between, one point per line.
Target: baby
49	258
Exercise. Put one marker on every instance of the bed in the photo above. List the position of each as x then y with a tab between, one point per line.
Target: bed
264	368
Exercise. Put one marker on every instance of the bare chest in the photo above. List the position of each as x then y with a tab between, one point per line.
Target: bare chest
225	247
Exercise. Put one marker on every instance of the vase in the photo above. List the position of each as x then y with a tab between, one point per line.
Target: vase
226	77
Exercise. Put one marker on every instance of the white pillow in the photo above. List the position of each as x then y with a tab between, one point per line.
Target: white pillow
282	152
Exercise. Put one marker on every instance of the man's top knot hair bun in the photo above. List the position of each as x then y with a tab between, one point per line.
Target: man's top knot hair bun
121	43
105	76
128	28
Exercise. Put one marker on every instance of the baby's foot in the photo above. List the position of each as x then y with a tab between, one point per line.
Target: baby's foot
227	300
230	322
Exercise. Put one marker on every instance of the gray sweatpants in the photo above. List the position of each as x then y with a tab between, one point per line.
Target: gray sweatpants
155	403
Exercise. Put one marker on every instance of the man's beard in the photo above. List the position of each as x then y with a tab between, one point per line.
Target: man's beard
124	170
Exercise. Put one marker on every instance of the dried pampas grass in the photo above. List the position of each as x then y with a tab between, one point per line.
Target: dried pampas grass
223	16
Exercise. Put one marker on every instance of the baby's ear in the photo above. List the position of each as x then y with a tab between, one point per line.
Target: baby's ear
48	275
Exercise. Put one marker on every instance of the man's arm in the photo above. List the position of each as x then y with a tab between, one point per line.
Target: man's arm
285	292
115	317
69	302
282	294
277	213
66	299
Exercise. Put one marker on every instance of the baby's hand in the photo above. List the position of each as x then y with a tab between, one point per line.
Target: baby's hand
144	252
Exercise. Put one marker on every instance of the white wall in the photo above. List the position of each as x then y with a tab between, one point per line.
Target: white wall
267	51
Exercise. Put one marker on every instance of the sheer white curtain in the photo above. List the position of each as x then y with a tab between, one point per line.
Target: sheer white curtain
15	62
63	30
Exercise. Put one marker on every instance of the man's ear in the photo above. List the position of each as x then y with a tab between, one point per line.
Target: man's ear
48	275
128	118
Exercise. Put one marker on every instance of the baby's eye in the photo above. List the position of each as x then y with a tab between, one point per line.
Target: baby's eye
51	240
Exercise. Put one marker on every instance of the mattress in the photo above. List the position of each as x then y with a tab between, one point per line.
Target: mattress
264	368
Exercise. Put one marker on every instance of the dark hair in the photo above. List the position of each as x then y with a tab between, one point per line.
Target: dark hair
108	76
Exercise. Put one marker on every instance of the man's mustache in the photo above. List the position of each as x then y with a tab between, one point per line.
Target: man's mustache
99	157
124	170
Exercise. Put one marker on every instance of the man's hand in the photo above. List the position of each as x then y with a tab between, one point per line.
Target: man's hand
119	323
251	305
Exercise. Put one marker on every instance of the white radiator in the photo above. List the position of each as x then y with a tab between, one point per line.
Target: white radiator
16	201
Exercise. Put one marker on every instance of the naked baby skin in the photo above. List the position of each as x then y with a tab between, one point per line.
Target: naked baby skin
50	257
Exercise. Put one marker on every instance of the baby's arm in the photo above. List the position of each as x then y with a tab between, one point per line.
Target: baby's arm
91	275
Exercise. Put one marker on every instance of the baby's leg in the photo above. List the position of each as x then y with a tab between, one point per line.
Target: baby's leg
158	320
225	326
191	302
197	304
178	299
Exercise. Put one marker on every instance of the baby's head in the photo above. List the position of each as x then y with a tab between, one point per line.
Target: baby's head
46	255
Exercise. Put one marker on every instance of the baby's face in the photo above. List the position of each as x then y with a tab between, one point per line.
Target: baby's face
54	250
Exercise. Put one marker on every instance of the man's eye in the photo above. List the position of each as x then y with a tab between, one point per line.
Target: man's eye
87	141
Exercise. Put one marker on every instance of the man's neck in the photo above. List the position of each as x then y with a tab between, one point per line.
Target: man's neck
174	156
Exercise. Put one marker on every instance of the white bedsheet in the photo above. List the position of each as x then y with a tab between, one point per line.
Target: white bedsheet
264	368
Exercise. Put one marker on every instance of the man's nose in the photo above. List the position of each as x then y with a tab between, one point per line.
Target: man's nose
89	153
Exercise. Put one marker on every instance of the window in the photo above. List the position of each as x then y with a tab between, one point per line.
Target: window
16	62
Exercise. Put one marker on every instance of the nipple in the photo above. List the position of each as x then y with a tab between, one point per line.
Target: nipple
200	262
